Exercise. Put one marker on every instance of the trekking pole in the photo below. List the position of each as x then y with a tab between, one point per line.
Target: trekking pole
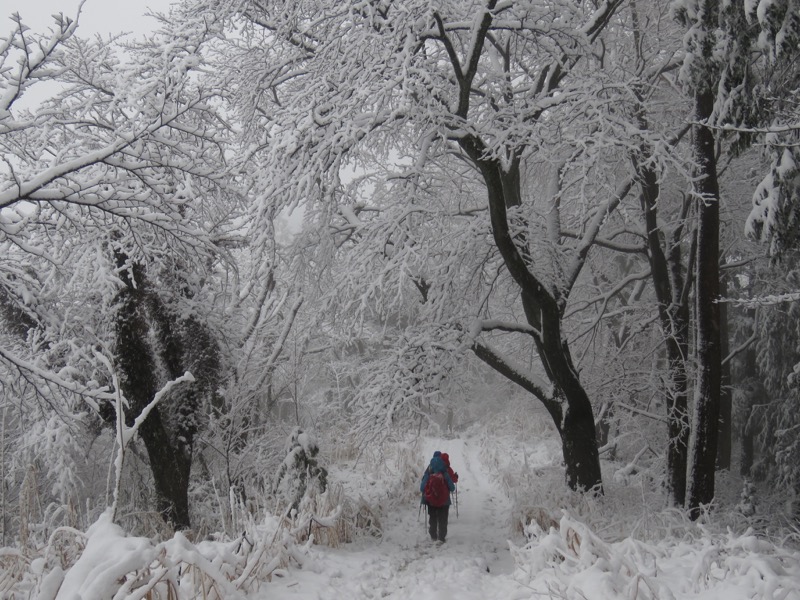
456	486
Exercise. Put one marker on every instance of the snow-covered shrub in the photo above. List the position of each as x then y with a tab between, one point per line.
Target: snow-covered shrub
747	503
54	470
573	561
371	481
299	473
238	462
399	466
527	466
322	517
104	562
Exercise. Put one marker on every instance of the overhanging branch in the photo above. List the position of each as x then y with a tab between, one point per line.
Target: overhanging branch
543	392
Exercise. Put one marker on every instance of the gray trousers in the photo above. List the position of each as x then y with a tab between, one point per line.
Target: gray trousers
437	522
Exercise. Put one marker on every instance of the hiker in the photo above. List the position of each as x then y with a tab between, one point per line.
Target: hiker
435	487
453	474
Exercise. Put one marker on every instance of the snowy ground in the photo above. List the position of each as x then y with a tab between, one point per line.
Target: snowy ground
484	560
601	549
474	563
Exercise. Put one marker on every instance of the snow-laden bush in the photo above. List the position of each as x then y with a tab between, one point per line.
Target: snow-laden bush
572	561
104	562
314	509
331	518
299	473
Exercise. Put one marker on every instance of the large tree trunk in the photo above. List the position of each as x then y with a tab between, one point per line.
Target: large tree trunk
544	308
706	411
170	455
666	271
171	467
579	444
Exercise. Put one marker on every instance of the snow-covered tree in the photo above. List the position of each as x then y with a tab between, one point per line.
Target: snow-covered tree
724	69
381	118
108	233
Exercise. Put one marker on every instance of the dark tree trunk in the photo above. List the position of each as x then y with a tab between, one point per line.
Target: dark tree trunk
171	466
706	412
748	446
577	428
673	312
671	288
754	393
604	424
579	446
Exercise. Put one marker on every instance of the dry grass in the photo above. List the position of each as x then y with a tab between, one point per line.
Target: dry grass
331	518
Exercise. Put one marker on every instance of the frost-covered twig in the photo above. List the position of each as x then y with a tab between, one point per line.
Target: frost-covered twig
93	397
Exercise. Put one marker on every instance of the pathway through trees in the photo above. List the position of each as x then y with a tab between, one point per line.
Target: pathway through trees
405	563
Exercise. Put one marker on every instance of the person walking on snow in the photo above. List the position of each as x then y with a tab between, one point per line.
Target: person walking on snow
435	487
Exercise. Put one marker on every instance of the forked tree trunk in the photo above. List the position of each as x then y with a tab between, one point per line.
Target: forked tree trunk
544	308
574	419
577	427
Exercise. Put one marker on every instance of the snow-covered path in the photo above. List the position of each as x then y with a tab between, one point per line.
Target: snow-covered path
405	563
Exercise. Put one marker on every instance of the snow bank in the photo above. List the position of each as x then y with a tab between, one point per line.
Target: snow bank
110	564
571	561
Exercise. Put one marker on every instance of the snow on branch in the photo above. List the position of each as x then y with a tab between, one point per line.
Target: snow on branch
269	366
93	397
35	54
607	296
766	300
772	129
644	413
479	325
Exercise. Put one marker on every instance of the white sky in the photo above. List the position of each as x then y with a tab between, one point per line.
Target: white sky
97	16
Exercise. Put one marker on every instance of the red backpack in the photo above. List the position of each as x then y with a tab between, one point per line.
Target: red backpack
436	491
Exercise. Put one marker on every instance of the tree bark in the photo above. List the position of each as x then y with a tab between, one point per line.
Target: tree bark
707	390
171	467
170	455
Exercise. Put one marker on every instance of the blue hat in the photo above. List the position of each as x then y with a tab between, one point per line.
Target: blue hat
437	465
437	453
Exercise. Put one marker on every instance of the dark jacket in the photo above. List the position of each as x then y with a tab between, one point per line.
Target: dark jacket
437	466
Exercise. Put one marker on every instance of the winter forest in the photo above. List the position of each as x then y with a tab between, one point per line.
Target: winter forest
257	265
